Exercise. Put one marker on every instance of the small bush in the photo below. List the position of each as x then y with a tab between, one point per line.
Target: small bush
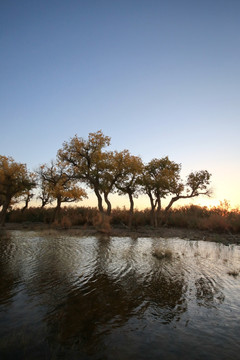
233	273
162	254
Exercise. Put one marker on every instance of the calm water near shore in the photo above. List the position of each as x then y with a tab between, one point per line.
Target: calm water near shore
70	297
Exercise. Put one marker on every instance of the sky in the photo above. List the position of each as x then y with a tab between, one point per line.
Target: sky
161	78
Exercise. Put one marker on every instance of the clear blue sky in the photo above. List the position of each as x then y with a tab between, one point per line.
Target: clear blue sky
159	77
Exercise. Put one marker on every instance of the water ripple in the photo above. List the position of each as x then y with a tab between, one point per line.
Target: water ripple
88	298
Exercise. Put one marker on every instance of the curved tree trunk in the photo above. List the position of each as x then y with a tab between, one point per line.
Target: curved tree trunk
172	201
99	198
153	205
45	201
168	207
4	211
26	203
109	206
24	207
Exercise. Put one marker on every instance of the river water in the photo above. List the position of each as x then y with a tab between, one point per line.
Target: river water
67	297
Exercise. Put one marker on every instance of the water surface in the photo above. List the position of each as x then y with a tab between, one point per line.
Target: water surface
65	297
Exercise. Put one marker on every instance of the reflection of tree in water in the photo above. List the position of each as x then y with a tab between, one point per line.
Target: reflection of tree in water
92	311
86	292
8	278
166	297
207	293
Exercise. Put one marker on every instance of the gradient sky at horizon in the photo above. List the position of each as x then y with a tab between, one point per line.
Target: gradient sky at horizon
159	77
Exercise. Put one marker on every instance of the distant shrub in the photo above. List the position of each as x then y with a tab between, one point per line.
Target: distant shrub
234	221
33	214
66	222
177	219
142	218
119	217
214	222
162	254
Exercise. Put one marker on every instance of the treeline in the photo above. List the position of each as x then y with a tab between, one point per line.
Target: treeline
88	163
217	219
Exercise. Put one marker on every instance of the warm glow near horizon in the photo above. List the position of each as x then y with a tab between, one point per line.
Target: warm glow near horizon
142	202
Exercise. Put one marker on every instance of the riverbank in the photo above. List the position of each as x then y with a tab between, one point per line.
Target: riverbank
141	231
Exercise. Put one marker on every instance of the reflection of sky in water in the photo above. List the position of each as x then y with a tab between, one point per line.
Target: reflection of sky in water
90	295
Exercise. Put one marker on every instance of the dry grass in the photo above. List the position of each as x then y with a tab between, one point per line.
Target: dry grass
66	222
102	223
218	219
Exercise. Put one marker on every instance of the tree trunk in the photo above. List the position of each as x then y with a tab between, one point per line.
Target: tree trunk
130	210
26	203
158	214
171	203
44	202
4	211
109	206
153	221
100	205
57	211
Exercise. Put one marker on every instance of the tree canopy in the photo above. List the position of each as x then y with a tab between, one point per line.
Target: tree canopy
88	161
59	185
15	181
